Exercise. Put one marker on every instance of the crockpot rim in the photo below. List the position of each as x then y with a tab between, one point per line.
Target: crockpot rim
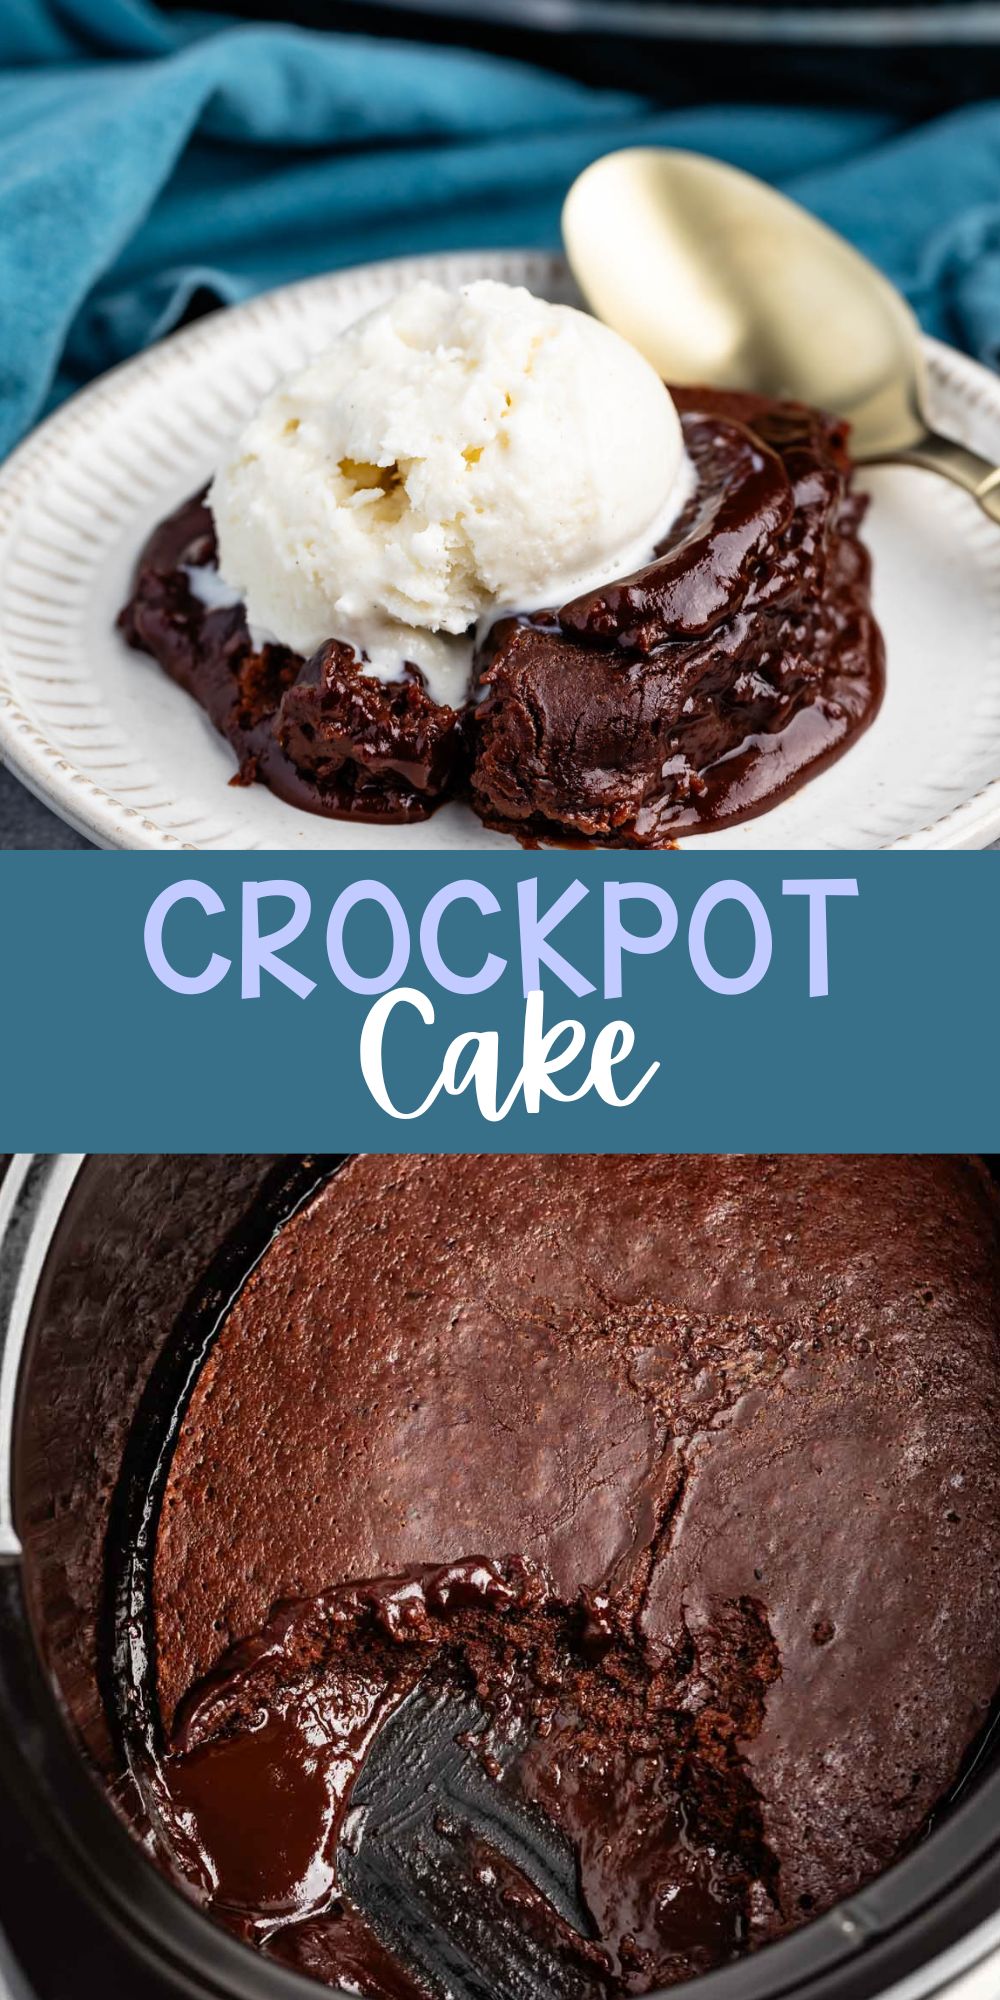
151	1912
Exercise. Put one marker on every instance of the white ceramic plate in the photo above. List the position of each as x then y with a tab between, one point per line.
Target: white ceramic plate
106	739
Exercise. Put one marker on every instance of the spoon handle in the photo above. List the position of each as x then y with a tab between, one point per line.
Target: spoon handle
979	476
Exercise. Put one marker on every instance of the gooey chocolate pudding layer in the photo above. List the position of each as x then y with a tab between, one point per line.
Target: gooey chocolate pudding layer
649	1507
691	695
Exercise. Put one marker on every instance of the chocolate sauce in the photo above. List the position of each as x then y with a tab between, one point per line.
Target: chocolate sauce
743	502
690	695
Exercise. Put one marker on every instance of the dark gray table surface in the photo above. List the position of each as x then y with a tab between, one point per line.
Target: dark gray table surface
25	822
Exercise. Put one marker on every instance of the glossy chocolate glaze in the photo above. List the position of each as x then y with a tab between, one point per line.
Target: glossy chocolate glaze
693	694
671	1878
682	1470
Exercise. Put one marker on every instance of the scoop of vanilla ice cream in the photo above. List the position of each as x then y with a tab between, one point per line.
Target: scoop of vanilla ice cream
449	454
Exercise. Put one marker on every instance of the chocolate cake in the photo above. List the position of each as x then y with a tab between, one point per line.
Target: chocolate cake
688	696
662	1492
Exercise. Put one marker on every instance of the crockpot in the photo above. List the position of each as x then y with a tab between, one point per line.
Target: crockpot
100	1260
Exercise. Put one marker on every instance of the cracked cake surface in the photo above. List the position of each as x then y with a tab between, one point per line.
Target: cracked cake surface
682	1470
743	658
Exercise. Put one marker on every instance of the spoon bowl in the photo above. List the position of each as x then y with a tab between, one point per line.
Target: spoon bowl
720	280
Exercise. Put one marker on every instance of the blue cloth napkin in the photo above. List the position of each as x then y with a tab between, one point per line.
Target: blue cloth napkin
147	158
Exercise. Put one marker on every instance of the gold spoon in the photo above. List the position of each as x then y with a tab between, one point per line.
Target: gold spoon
718	279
